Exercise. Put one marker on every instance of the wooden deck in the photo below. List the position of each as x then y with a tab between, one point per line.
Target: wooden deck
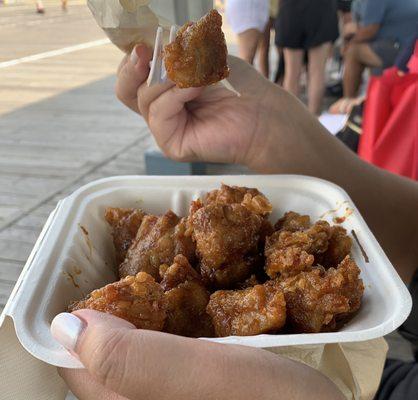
60	123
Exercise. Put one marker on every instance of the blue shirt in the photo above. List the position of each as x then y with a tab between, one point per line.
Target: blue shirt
397	18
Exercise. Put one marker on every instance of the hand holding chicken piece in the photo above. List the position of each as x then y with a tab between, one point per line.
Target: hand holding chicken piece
198	56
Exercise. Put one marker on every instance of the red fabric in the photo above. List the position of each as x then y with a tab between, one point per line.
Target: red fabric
413	62
390	124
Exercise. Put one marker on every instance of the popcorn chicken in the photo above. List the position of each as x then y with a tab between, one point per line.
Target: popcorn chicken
253	311
198	56
137	299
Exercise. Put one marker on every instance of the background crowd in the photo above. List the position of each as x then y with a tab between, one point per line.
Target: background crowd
351	50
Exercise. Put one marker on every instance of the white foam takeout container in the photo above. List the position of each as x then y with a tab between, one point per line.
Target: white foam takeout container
74	255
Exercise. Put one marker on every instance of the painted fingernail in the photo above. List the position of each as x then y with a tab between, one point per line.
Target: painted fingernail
134	56
66	329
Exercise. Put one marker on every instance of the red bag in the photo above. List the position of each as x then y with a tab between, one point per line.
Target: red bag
390	125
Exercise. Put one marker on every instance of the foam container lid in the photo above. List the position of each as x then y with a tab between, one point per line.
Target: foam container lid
74	255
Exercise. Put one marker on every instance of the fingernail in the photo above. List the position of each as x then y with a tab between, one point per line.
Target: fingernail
134	56
66	329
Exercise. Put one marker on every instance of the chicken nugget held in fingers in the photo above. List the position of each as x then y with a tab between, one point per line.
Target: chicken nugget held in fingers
198	55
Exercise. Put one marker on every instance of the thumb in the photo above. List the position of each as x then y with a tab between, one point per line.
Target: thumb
102	342
133	362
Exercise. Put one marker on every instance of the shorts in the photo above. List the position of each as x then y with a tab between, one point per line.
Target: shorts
243	15
387	50
344	5
304	24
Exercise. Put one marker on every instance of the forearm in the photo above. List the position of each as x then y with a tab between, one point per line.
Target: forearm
389	203
366	34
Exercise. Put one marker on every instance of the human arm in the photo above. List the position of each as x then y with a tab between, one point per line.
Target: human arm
371	20
366	33
270	131
123	362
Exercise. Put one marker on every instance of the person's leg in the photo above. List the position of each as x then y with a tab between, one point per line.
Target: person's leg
264	49
64	5
316	76
293	60
40	7
247	43
357	57
280	67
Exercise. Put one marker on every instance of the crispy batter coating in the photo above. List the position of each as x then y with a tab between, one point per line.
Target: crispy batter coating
137	299
179	272
288	253
125	223
250	198
198	56
226	239
158	241
187	299
249	282
253	311
322	300
235	271
293	222
339	247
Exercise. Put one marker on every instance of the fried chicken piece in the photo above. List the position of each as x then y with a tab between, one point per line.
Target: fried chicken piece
198	56
293	222
253	311
322	300
236	270
339	247
187	299
137	299
226	239
179	272
249	282
158	241
125	223
250	198
288	253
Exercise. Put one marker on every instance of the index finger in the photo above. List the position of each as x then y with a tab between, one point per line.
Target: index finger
132	73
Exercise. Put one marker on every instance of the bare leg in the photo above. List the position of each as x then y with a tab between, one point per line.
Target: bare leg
293	59
64	5
247	42
280	67
40	7
316	71
357	57
264	50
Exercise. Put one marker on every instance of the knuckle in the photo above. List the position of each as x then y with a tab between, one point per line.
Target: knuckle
153	111
109	359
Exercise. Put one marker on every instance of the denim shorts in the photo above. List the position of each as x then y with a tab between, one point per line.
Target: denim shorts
387	50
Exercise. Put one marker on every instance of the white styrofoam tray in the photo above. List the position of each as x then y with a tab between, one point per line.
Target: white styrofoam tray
74	255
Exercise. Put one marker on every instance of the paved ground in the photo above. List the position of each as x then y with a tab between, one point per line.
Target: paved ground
60	124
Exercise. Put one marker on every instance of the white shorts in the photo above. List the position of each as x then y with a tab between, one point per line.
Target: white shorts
243	15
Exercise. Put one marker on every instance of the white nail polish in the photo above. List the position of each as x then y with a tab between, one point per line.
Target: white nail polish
66	329
134	56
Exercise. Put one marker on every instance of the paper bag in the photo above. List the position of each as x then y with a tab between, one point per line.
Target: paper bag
355	368
128	22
